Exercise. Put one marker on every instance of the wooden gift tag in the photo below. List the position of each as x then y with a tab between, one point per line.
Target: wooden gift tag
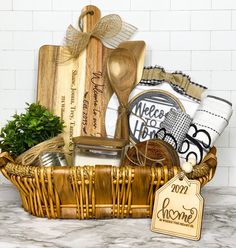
178	209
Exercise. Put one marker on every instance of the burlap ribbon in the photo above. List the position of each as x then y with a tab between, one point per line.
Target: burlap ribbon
111	30
180	82
31	156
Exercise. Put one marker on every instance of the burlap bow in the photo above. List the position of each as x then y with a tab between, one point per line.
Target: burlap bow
111	30
180	82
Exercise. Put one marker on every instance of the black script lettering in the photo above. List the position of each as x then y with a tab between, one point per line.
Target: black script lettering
181	189
94	123
96	112
63	100
192	140
72	112
141	131
188	216
71	134
72	100
166	135
142	109
98	88
85	115
73	88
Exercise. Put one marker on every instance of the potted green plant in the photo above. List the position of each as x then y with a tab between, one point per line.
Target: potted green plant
28	129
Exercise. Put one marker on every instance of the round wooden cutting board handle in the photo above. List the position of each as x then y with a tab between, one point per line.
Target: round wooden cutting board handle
90	16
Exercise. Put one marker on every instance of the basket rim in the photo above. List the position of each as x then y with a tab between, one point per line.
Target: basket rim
8	164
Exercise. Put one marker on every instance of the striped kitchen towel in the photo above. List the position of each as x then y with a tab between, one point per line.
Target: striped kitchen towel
209	122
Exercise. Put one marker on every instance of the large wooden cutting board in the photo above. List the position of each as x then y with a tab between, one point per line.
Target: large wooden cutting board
77	90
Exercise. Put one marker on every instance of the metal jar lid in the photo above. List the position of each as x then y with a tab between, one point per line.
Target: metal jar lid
52	159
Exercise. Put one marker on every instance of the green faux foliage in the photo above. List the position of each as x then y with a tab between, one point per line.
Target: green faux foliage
29	129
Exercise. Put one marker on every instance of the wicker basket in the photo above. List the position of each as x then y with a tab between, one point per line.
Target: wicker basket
89	192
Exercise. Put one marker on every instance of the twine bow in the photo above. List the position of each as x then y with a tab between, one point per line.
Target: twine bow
110	29
31	156
140	156
124	110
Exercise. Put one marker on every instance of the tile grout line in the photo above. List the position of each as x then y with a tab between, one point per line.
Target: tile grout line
228	176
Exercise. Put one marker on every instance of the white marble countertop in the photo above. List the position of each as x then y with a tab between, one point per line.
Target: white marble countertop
19	229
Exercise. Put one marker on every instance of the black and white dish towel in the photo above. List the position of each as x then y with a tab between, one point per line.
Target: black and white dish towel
174	127
209	122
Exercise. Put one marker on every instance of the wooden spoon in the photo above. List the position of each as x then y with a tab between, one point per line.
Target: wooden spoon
121	69
138	48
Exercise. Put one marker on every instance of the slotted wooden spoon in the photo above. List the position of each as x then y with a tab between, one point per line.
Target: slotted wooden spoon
121	69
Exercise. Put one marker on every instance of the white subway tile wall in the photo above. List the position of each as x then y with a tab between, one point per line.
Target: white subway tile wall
190	40
5	5
16	20
211	20
197	37
170	20
31	5
180	60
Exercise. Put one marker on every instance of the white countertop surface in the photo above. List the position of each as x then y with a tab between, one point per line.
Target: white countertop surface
20	229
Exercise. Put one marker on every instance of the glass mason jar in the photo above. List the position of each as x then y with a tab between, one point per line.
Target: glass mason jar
90	150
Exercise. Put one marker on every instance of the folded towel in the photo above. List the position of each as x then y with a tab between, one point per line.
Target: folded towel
174	127
209	122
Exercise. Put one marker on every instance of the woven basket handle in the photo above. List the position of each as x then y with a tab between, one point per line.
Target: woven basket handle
211	158
5	158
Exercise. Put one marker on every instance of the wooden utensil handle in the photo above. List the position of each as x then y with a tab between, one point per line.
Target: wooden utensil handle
118	134
125	127
122	129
